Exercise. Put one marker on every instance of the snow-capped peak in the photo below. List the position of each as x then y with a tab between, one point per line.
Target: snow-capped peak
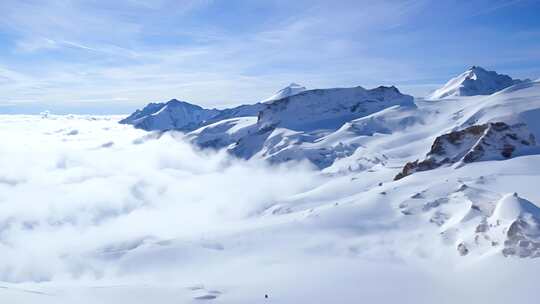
290	90
173	114
475	81
329	108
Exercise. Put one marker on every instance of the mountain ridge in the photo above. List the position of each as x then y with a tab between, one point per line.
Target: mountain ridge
475	81
331	127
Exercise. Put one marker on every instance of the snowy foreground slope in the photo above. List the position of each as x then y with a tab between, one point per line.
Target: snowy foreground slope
93	211
97	212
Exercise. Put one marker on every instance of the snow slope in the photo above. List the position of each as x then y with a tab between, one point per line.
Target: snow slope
474	81
185	226
223	133
183	116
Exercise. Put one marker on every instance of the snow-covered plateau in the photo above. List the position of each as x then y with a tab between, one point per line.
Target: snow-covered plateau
345	195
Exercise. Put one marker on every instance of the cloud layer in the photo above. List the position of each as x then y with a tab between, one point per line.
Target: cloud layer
73	188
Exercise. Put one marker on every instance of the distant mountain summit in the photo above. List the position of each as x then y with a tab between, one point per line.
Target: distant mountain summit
174	114
329	108
474	81
184	116
289	90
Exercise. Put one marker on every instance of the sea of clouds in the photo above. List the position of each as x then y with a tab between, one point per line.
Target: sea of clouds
74	186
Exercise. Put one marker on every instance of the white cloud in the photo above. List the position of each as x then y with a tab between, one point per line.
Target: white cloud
89	61
187	50
68	179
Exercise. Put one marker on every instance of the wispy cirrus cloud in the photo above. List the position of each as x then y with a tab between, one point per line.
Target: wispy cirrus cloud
218	53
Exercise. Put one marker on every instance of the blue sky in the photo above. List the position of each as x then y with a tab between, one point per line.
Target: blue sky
113	56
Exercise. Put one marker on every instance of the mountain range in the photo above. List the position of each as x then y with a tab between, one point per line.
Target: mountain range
476	118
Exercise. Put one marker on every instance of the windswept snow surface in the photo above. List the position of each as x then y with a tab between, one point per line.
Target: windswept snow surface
92	211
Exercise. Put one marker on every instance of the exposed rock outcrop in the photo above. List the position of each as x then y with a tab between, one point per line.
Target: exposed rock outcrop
490	141
514	224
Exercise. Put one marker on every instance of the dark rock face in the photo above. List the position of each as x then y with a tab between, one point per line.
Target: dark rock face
415	166
490	141
522	239
462	249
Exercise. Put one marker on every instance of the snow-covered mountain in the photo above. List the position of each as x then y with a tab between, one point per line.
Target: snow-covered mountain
474	81
299	127
334	128
290	90
174	114
329	108
184	116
